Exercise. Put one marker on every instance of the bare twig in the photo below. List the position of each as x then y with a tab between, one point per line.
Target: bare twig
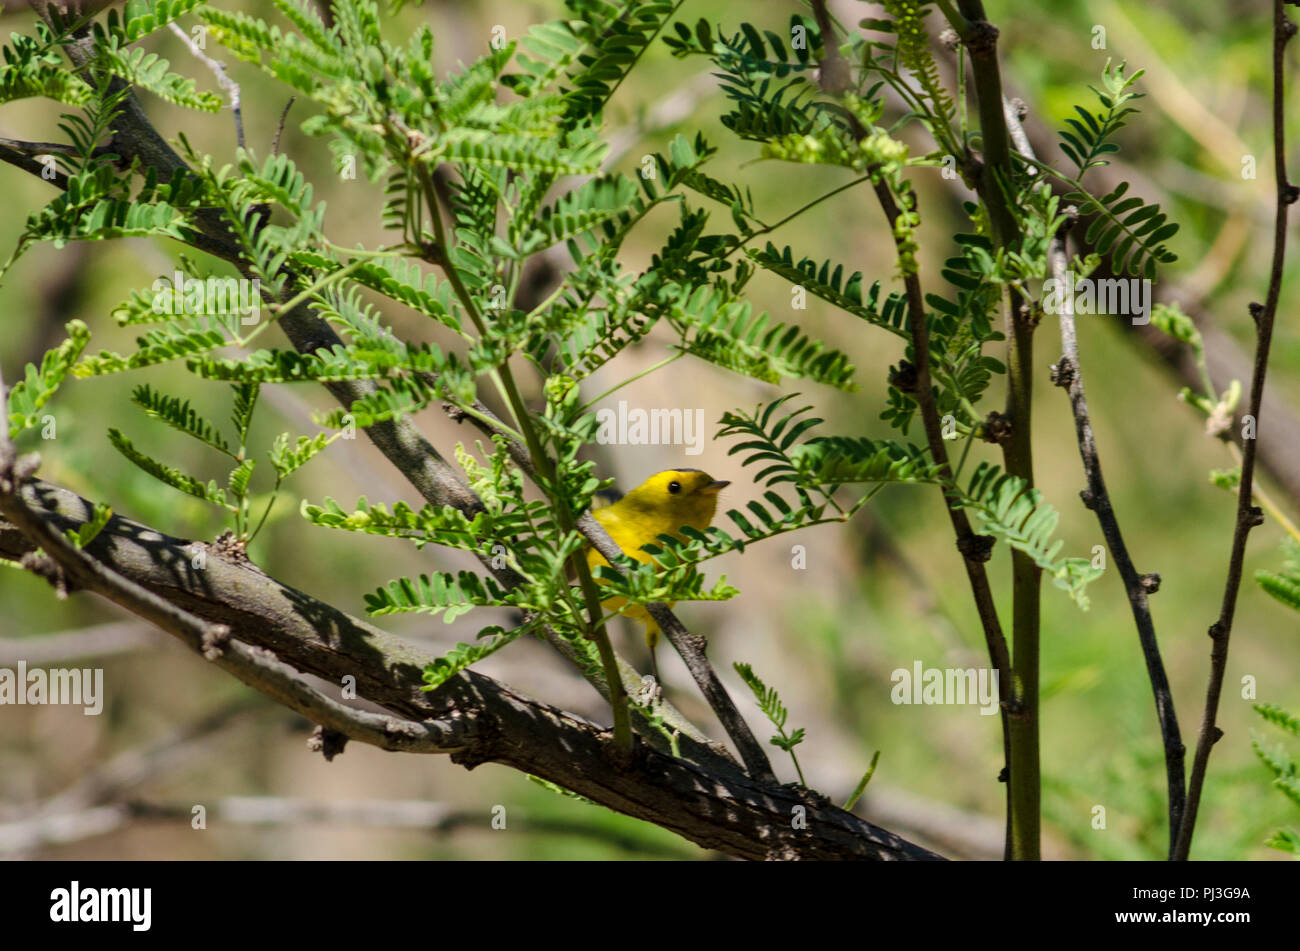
1279	445
22	159
279	128
37	148
223	80
1248	514
1068	373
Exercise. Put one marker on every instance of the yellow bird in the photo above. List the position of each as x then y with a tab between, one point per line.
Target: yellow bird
661	505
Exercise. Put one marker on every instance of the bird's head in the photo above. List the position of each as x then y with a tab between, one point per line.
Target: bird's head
678	497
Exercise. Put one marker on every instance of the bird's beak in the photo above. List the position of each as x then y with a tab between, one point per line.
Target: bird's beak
713	488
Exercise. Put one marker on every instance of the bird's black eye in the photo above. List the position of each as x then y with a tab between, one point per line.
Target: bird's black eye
674	487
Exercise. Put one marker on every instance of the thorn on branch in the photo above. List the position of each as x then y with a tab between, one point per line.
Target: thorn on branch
1290	194
1254	516
329	743
1216	631
903	377
230	547
1063	372
977	548
1256	311
42	565
1216	735
1004	775
982	38
997	428
1089	500
1150	582
215	638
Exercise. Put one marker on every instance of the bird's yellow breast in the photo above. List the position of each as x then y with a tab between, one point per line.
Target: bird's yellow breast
662	505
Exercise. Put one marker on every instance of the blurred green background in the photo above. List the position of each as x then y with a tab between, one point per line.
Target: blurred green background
878	594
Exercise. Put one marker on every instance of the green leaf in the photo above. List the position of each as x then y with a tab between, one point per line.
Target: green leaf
827	283
286	458
178	414
1008	509
1279	717
32	392
209	492
146	70
726	331
463	655
439	593
239	478
245	403
770	703
86	532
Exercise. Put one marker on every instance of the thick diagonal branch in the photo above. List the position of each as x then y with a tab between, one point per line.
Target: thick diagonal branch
473	718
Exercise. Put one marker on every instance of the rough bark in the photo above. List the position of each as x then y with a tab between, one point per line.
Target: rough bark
472	718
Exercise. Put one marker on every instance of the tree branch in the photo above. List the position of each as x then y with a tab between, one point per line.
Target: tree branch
994	184
1248	514
1068	373
974	549
471	717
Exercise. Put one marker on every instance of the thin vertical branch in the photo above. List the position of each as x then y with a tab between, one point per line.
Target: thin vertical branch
994	183
1068	373
975	549
1248	514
